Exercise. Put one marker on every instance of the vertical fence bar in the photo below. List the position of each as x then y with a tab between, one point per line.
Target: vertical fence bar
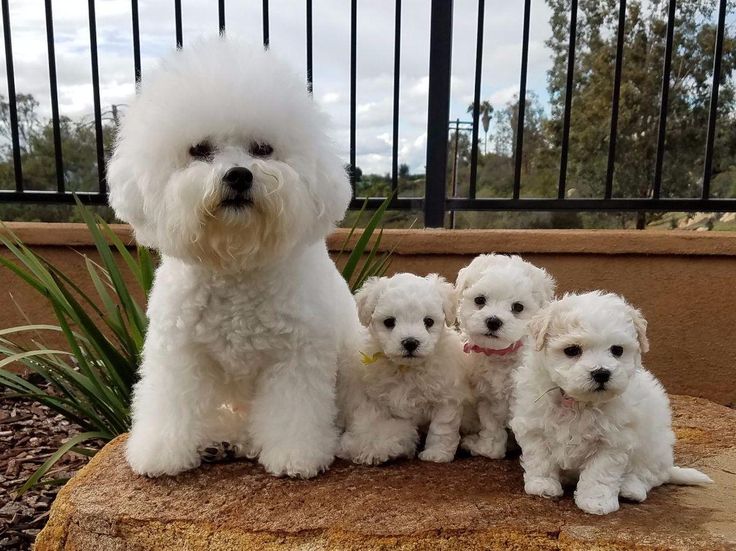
476	98
663	106
397	76
58	161
96	97
568	99
353	75
266	29
613	136
713	112
221	16
519	145
12	101
177	20
136	40
440	67
310	84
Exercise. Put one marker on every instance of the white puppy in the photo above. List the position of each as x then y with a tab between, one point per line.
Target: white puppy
410	376
584	406
497	296
223	165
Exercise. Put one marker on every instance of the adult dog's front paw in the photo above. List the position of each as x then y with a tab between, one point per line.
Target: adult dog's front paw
633	488
599	500
546	487
492	448
437	455
152	457
295	463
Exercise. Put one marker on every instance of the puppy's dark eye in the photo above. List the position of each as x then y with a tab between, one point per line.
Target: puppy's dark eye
480	301
202	151
573	351
517	307
428	322
260	149
390	322
617	350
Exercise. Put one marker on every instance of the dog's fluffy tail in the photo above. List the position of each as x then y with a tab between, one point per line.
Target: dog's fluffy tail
688	477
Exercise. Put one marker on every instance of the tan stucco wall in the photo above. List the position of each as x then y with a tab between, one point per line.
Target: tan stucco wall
684	282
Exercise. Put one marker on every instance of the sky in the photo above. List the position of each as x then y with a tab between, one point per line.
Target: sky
331	26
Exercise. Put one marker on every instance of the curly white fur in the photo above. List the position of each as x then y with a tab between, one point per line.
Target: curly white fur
391	393
247	313
613	437
490	288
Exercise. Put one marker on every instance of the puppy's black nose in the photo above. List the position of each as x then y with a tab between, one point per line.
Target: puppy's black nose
493	323
410	344
238	178
601	375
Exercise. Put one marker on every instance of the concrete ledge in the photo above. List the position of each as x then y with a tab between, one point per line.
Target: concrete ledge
470	504
461	242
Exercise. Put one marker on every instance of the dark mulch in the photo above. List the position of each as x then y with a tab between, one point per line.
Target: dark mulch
29	434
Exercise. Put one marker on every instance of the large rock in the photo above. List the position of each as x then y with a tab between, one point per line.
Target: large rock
469	504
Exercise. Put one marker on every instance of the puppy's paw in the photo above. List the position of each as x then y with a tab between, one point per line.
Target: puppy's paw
546	487
152	458
437	455
599	502
492	448
633	488
295	463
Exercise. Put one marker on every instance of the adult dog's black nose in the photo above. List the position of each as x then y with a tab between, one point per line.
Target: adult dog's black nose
238	178
601	375
410	344
493	323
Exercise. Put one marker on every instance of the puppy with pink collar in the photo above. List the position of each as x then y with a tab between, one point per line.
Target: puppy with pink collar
497	296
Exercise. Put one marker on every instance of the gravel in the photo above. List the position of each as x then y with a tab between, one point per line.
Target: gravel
29	434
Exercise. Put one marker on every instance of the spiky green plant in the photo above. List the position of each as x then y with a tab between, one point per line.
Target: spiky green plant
90	382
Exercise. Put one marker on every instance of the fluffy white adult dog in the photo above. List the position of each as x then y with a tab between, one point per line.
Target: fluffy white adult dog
497	296
223	165
584	406
410	375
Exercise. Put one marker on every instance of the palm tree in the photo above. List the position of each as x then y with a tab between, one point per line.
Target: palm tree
485	110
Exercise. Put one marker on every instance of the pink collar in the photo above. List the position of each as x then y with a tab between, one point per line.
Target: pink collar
468	348
567	401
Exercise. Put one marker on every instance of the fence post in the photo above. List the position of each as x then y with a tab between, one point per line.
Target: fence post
440	64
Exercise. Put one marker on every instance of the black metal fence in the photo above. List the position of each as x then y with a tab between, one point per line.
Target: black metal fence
435	203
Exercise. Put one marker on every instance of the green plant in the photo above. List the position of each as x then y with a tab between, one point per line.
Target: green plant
364	261
91	382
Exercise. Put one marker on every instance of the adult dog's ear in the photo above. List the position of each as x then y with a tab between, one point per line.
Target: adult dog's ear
539	326
640	324
126	197
331	188
468	276
447	292
367	297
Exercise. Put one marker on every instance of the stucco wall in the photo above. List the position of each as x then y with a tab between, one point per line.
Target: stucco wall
684	282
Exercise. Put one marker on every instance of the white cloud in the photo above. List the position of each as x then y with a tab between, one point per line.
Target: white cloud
375	40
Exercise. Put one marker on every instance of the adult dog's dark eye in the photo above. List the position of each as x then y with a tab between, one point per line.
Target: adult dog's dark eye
260	149
573	351
480	301
617	350
517	307
390	322
202	151
428	322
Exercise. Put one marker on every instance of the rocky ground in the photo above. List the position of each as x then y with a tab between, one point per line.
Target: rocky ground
29	434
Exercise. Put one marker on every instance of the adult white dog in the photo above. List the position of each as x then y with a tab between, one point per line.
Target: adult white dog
497	296
585	408
223	165
410	375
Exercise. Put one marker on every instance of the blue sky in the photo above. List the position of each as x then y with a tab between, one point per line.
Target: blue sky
502	52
